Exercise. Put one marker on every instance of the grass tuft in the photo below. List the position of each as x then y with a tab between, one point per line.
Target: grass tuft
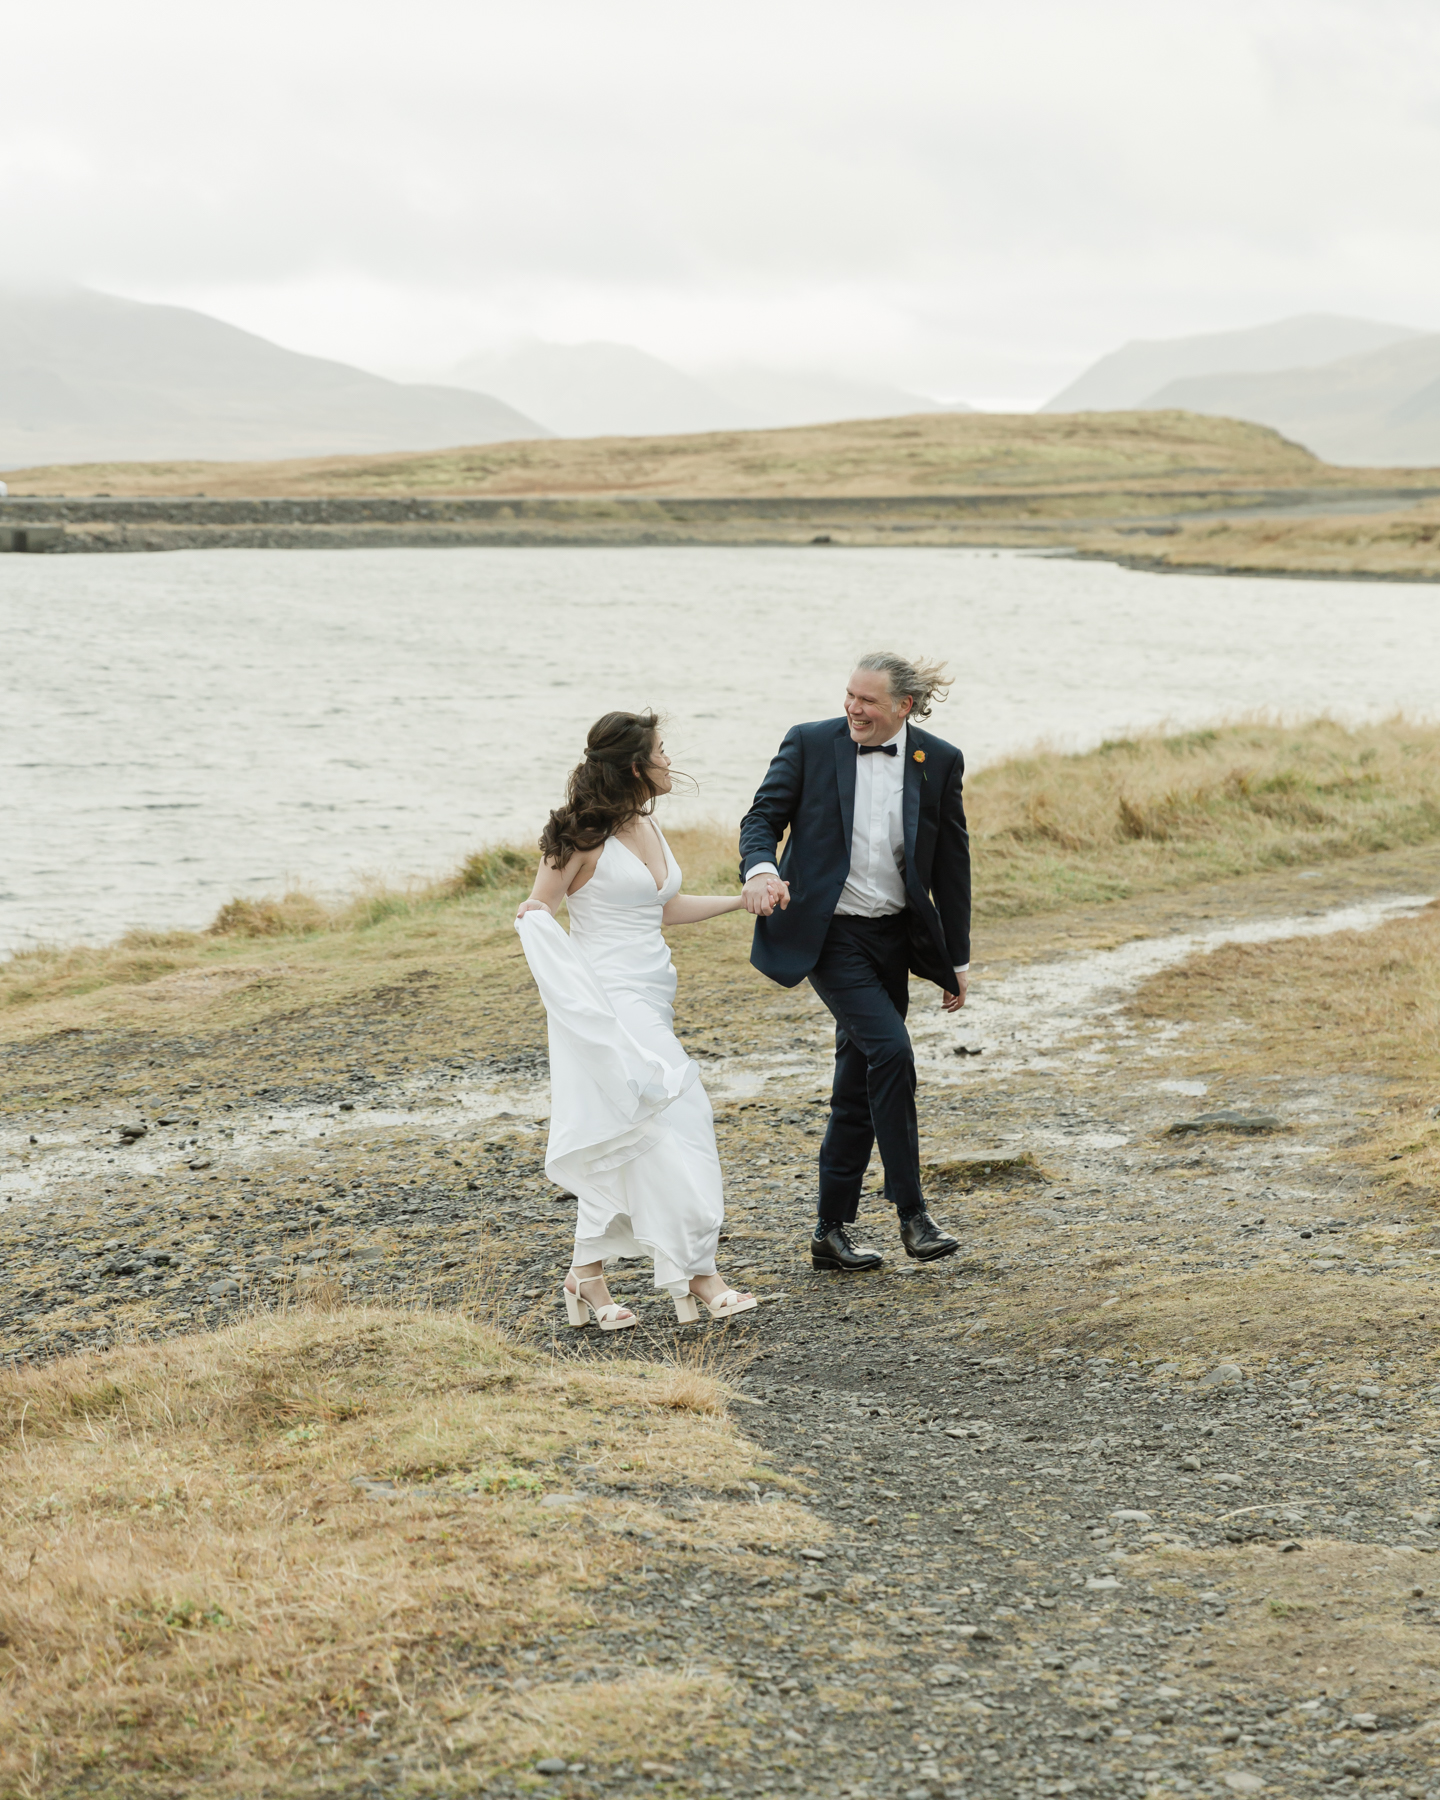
502	866
294	915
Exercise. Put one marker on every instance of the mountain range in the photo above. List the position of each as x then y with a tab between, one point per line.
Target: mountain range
86	377
1351	390
615	390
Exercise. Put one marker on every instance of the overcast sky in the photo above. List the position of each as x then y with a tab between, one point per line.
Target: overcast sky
971	198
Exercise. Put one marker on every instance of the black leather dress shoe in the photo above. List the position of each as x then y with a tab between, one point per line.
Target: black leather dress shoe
831	1248
924	1239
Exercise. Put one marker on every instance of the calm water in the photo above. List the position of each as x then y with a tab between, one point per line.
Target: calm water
175	729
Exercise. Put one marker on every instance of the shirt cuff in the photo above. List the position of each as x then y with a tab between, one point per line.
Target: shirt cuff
962	968
761	869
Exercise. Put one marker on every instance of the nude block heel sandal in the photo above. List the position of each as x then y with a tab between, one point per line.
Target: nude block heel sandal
578	1310
723	1306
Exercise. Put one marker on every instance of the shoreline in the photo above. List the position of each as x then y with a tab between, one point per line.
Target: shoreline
1059	522
1151	565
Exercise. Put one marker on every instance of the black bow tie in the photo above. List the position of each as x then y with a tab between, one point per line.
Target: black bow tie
880	749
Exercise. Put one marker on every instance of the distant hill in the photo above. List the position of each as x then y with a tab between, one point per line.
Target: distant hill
1135	374
85	377
615	390
1376	410
928	453
798	397
599	390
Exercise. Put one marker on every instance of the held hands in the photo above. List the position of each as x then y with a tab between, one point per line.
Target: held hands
953	1002
763	893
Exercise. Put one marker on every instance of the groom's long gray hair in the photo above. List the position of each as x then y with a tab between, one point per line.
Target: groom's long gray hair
925	682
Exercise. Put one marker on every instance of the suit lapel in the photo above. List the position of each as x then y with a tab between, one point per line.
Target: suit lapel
845	781
914	776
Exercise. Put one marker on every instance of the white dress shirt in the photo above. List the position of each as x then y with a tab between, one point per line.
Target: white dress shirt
875	887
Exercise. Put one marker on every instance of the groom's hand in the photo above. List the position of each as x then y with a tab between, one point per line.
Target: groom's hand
763	893
953	1002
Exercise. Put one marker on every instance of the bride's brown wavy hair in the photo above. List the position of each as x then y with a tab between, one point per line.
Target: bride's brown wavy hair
607	790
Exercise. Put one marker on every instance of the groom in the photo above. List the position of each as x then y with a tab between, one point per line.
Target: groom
874	883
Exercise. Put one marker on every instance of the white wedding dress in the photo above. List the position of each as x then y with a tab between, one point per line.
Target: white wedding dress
631	1131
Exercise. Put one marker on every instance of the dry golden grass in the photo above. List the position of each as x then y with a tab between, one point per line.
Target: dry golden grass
195	1586
1165	811
1288	1308
1395	545
929	453
411	957
1365	1003
1330	1618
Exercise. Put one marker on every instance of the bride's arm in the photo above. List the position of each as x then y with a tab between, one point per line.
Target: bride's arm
690	909
553	884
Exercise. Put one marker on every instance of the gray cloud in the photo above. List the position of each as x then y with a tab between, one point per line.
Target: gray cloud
956	196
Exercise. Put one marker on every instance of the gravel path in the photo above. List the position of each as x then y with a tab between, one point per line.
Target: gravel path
1057	1573
1067	1537
992	1615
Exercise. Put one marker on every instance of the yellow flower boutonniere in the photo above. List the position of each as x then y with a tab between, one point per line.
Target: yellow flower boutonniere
919	756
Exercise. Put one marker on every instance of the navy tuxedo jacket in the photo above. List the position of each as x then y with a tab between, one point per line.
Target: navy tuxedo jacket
809	791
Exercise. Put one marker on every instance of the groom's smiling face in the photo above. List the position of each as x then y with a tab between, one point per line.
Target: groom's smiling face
872	711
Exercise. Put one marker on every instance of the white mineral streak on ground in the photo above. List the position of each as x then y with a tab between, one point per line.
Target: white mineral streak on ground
1049	1017
1051	1013
1056	1015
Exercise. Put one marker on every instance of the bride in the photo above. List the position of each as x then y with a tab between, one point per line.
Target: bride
631	1131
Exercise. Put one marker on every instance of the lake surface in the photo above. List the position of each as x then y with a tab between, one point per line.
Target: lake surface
178	728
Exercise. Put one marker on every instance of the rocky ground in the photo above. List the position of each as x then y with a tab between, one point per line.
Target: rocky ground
1133	1496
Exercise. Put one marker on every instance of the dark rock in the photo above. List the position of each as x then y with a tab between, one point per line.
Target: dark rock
1226	1119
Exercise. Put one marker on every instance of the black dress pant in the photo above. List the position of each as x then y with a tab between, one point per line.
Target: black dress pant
863	976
